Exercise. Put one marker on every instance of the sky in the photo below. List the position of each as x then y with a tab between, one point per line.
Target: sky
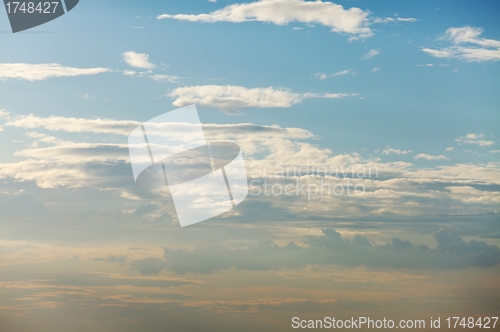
395	103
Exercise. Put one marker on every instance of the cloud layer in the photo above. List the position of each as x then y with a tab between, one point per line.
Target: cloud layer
331	248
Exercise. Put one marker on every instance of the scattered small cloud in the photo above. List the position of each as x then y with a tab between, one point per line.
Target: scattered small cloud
390	150
476	49
371	54
430	157
137	60
164	78
494	151
450	148
323	76
477	139
433	65
376	69
40	72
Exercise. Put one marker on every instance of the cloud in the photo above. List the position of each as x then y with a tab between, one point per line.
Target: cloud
388	150
230	98
148	266
323	76
475	50
39	72
450	148
164	78
396	189
376	69
394	19
331	248
477	139
353	21
371	54
74	125
138	60
429	157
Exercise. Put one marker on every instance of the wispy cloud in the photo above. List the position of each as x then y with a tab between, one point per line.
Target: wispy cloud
323	76
230	98
430	157
394	19
280	12
39	72
75	125
137	60
477	139
164	78
371	54
390	150
476	49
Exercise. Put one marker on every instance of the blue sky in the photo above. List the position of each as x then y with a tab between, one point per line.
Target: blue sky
409	88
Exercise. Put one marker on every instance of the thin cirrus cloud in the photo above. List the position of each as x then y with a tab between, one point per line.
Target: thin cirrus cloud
394	19
137	60
40	72
323	76
430	157
230	98
477	139
468	46
353	21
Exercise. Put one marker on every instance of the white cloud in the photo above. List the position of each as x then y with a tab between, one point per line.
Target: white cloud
390	150
164	78
450	148
280	12
394	19
476	49
430	157
477	139
230	98
138	60
75	125
38	72
323	76
494	151
376	69
371	54
1	128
